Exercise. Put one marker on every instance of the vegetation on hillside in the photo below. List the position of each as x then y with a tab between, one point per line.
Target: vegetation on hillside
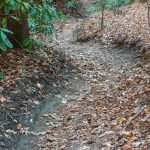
18	17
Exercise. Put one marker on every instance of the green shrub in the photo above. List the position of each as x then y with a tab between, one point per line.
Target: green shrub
109	4
72	4
41	15
41	18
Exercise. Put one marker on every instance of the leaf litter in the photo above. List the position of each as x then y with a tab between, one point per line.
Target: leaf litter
109	109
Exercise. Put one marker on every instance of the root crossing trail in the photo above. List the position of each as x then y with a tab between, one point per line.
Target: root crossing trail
89	112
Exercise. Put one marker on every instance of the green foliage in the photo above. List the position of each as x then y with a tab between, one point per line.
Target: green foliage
29	43
41	15
8	6
60	15
10	9
4	41
2	75
94	8
41	18
109	4
72	4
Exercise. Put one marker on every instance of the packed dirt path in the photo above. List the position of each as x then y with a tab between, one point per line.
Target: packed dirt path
89	113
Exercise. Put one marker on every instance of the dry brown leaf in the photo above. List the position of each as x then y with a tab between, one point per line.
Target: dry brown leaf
19	126
2	99
126	147
122	121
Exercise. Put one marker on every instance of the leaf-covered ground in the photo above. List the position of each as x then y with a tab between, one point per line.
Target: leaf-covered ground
130	27
96	98
30	81
110	110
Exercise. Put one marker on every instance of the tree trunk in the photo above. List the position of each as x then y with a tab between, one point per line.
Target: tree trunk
19	28
148	13
102	13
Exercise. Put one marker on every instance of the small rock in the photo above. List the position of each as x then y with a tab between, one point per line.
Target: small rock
58	96
1	89
2	144
137	143
64	101
2	99
36	102
39	86
84	148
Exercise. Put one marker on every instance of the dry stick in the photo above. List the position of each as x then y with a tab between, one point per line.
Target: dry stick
18	42
128	123
132	118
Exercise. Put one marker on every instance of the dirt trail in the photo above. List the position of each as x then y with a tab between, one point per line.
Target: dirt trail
65	120
87	112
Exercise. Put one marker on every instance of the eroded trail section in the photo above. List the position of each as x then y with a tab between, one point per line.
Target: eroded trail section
100	113
94	109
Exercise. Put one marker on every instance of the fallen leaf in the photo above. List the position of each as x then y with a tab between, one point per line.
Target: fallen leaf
2	99
19	126
122	121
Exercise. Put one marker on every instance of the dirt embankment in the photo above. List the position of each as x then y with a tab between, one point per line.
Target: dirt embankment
30	80
130	27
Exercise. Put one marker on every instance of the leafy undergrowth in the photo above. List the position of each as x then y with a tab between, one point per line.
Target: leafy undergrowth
129	27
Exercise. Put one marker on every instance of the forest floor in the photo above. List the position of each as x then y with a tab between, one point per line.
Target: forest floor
80	96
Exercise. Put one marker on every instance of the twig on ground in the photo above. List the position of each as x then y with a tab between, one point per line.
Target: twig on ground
132	118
